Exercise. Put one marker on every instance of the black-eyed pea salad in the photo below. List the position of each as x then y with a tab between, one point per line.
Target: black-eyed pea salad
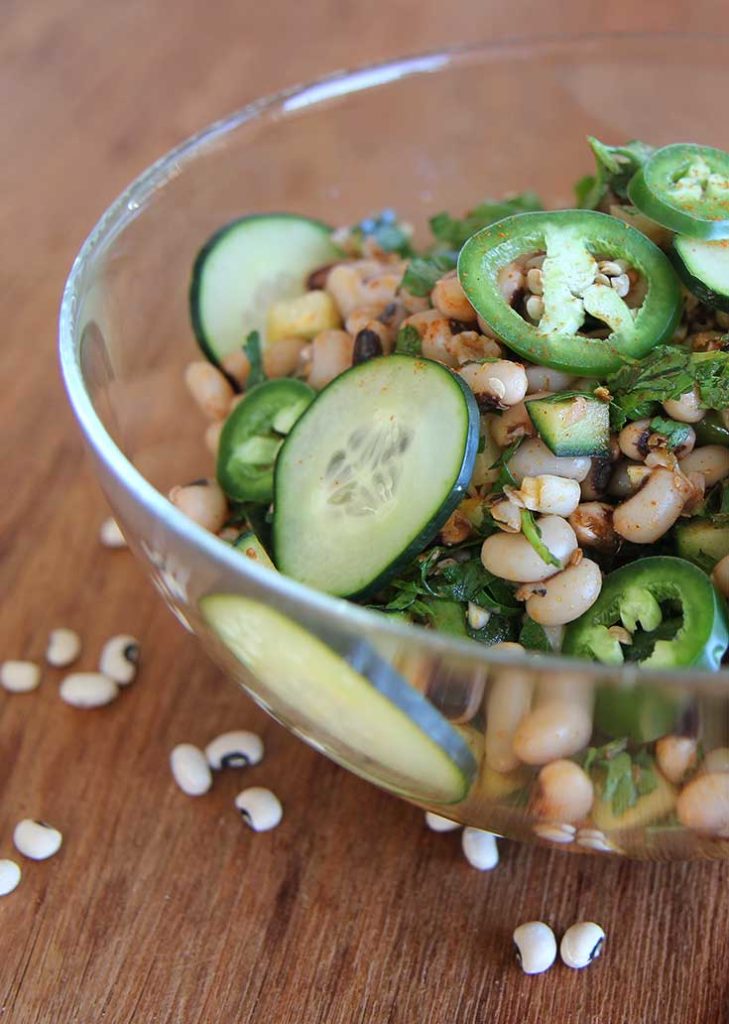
517	434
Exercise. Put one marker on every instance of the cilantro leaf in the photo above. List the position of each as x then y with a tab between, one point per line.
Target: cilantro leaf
676	434
499	629
455	231
615	166
468	581
533	637
667	372
533	534
423	272
252	349
711	373
505	477
586	196
408	341
386	231
622	779
638	387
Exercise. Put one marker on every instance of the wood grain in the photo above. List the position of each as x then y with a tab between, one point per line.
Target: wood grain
164	909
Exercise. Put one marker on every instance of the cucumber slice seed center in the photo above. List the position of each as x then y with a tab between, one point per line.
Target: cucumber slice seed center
365	475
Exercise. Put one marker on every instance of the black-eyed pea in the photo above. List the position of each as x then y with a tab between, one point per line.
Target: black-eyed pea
36	840
703	804
633	439
413	303
190	769
480	848
653	510
685	409
567	595
212	436
509	700
502	383
281	358
592	522
536	947
711	460
202	501
553	730
544	378
237	365
511	424
533	458
621	485
595	484
367	345
209	389
360	318
437	823
456	529
470	345
20	676
10	875
507	515
676	756
331	354
450	299
259	808
549	494
344	284
436	336
64	647
512	557
110	534
119	659
564	793
380	288
510	282
581	944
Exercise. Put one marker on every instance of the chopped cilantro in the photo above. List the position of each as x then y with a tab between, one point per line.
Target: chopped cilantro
533	637
408	342
455	231
614	167
533	534
423	272
621	779
676	434
386	231
252	349
667	372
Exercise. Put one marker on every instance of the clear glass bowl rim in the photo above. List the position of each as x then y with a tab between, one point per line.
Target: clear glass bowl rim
130	204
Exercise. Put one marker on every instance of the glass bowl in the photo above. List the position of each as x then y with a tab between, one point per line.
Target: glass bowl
422	714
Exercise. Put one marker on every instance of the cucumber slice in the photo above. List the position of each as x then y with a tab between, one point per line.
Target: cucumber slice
702	542
704	268
356	708
253	434
370	473
247	265
575	425
249	545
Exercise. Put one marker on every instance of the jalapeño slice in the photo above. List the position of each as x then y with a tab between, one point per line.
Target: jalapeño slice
644	597
253	434
574	242
685	187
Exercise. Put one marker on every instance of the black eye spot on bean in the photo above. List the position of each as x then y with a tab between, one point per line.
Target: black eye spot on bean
318	278
388	314
367	345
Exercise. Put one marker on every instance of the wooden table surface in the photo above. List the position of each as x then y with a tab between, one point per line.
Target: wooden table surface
160	908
